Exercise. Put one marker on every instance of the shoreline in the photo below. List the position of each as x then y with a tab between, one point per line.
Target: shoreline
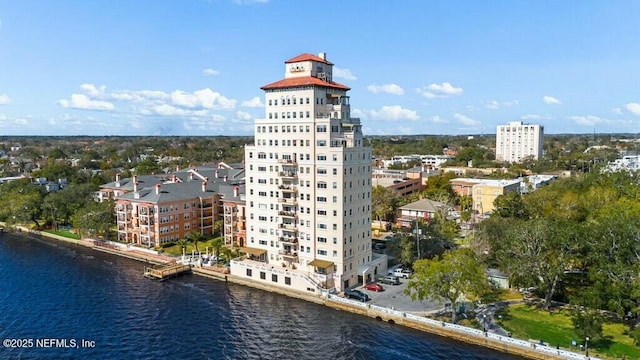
450	331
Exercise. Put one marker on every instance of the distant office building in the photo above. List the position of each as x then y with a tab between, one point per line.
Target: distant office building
517	141
308	175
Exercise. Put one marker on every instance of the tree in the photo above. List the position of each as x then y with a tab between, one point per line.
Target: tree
511	205
95	218
381	202
183	244
537	252
217	245
217	227
451	277
195	237
20	202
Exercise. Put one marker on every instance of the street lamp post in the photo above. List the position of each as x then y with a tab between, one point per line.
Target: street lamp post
586	346
484	322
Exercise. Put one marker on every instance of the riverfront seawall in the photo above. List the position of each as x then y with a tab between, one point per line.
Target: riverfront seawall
452	331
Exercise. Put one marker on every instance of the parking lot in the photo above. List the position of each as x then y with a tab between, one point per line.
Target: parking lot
393	297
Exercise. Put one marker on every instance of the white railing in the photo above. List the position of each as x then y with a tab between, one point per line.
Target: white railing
531	346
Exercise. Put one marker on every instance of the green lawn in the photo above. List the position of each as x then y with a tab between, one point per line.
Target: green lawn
65	233
555	328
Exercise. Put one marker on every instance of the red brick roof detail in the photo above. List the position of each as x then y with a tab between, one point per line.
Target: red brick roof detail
303	81
307	57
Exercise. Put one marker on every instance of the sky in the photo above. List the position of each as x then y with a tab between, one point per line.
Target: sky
195	67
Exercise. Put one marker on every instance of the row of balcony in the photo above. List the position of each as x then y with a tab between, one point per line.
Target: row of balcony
287	161
288	174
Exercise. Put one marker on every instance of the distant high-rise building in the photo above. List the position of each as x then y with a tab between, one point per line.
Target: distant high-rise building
517	141
308	177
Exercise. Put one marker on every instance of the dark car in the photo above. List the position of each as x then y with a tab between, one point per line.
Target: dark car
390	280
356	294
379	246
373	287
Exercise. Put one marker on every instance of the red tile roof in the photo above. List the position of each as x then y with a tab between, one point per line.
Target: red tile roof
303	81
307	57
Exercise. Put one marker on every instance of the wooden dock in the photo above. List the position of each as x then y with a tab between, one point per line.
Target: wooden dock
166	271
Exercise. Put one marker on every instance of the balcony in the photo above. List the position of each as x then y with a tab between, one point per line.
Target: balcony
289	201
288	188
289	214
288	254
288	240
288	226
288	174
291	162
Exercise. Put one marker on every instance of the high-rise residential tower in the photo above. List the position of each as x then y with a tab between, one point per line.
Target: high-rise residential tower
308	179
517	141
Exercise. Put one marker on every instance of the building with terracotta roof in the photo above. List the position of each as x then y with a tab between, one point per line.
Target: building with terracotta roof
155	209
308	173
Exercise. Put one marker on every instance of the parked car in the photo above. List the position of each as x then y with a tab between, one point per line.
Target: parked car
390	280
373	287
356	294
379	246
403	273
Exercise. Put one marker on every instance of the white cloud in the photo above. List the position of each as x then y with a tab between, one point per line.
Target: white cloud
531	117
386	88
617	111
82	101
465	120
210	72
255	102
494	104
586	120
440	90
4	99
551	100
93	90
243	116
438	120
394	113
633	108
344	74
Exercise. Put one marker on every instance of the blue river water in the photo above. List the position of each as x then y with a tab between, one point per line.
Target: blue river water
61	301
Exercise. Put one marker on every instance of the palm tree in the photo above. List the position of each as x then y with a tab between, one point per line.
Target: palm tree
227	253
195	236
183	244
217	244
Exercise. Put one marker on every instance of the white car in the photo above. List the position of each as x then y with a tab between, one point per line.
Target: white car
402	273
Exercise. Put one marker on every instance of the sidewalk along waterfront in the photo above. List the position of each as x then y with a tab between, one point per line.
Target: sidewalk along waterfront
468	335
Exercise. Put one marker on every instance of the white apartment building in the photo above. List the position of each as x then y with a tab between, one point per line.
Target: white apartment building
308	179
517	141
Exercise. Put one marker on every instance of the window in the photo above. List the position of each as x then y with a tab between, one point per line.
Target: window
322	226
249	272
322	239
262	155
263	275
322	171
322	185
322	212
322	157
274	278
287	280
321	143
322	199
322	252
321	128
